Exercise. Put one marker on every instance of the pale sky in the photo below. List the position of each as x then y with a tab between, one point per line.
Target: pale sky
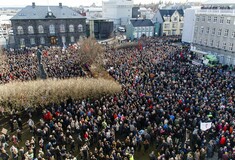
70	3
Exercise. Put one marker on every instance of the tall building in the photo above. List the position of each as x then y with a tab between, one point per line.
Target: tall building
171	21
47	25
119	11
188	29
214	30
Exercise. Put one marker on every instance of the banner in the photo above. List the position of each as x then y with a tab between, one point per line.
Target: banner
205	126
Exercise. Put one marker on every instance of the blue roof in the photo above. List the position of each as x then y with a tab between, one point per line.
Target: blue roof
40	12
170	12
141	22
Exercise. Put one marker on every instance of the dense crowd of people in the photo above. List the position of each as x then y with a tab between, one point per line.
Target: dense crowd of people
23	65
164	99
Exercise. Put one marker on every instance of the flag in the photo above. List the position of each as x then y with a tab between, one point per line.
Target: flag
205	126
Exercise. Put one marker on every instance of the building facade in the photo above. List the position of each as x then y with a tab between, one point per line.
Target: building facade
119	11
100	28
214	31
171	21
188	29
138	27
47	26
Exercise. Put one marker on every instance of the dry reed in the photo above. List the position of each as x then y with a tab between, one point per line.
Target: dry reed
19	95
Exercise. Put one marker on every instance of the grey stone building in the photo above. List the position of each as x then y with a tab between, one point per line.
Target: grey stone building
47	26
214	30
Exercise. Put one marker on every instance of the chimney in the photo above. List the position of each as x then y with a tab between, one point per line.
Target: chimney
33	4
60	5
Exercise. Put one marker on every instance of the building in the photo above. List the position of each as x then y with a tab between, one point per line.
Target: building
93	12
47	25
214	30
136	12
188	29
138	27
119	11
100	28
171	21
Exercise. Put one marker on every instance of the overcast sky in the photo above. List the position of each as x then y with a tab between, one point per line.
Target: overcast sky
23	3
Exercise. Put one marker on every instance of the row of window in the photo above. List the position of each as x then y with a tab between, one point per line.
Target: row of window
212	31
51	29
214	19
143	28
216	44
174	25
42	40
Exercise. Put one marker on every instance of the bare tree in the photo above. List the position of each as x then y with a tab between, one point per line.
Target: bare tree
90	52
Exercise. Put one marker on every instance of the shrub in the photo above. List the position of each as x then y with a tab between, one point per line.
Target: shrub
19	95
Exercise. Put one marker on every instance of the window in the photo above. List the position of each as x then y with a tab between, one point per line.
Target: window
233	35
173	32
196	29
224	45
147	29
230	46
207	30
139	28
166	25
175	19
30	30
226	32
219	32
181	25
136	28
228	20
203	18
72	40
205	42
221	20
80	28
150	34
71	28
174	25
62	28
40	29
63	39
202	29
42	40
22	42
209	19
212	43
213	31
197	18
143	28
215	19
200	41
217	44
20	30
52	29
32	41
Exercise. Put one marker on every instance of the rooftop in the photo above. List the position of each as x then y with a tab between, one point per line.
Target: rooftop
40	12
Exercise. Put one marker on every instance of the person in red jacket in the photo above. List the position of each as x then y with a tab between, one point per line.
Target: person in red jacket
222	140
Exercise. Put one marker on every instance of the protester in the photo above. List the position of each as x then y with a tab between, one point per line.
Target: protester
164	99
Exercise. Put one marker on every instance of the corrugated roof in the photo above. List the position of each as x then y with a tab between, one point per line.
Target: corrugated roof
141	22
170	12
40	12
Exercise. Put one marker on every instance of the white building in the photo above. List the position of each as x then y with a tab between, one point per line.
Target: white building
214	30
119	11
188	29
